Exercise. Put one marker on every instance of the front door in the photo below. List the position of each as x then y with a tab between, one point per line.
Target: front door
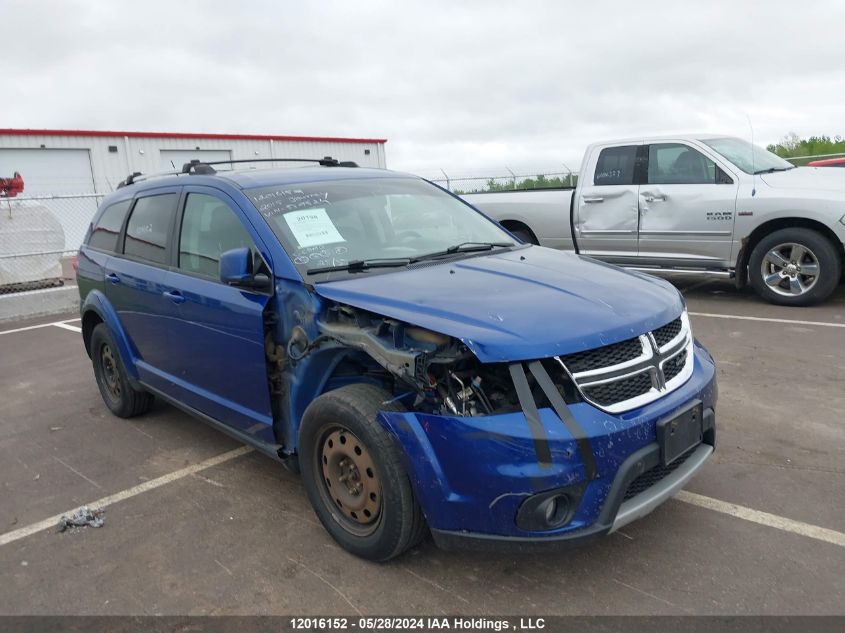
606	209
687	208
217	337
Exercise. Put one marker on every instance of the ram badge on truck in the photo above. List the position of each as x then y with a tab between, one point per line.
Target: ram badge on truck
701	204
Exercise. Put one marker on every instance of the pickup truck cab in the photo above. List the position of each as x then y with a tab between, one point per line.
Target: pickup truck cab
421	368
703	204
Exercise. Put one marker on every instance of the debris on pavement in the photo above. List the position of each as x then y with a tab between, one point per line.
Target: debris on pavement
84	517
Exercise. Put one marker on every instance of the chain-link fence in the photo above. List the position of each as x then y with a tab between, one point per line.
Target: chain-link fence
508	182
39	235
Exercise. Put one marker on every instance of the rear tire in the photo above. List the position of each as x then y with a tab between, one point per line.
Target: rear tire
124	400
794	267
353	474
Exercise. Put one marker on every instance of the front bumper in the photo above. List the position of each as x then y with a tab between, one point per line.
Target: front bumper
471	475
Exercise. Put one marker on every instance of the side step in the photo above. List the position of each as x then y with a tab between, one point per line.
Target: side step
725	274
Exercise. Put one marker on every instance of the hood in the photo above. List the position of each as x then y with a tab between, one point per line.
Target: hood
518	305
816	178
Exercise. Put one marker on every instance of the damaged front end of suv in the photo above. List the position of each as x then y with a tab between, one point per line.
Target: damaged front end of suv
522	428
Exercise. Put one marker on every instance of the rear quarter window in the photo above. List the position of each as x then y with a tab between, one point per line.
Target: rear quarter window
106	230
149	226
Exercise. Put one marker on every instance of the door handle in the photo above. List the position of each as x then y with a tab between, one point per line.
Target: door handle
175	296
593	199
654	197
113	278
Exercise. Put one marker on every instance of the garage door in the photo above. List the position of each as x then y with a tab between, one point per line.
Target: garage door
174	158
48	171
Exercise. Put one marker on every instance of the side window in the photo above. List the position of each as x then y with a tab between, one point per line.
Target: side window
107	229
148	228
677	164
616	166
209	228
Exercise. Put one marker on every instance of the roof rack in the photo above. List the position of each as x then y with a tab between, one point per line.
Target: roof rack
137	176
205	167
202	167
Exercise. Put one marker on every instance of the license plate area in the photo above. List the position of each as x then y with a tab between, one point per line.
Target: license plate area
679	432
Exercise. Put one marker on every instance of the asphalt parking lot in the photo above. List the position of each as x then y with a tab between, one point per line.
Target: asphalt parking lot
195	525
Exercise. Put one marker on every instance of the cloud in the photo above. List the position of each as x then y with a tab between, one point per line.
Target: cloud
466	86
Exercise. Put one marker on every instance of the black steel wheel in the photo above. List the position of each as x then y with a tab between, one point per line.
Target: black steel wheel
120	396
353	474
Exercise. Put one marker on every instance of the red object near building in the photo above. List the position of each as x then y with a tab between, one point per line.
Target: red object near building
10	187
828	162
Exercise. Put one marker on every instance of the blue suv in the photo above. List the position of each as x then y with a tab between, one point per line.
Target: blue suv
421	367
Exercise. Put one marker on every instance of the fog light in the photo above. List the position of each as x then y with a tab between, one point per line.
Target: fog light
549	510
555	510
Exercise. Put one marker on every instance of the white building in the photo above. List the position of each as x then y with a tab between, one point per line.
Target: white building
85	161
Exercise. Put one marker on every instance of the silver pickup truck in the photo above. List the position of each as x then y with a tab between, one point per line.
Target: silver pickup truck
705	204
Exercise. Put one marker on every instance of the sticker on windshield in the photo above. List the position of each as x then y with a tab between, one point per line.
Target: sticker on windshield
312	227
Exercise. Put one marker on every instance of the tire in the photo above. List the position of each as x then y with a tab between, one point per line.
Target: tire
779	265
124	400
375	516
525	235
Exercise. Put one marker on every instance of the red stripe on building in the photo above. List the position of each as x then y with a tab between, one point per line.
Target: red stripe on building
190	135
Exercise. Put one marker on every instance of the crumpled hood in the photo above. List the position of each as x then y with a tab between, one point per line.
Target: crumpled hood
816	178
518	305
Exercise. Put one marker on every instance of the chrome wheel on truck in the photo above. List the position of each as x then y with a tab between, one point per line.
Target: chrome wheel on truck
790	269
796	267
353	473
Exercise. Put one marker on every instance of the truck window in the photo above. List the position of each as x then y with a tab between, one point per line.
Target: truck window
107	229
678	164
616	166
209	228
149	226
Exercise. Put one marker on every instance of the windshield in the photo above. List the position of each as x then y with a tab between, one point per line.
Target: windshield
739	152
336	223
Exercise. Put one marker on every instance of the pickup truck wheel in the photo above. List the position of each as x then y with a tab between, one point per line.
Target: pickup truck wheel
118	393
353	474
794	267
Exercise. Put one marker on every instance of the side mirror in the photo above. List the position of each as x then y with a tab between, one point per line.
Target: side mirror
236	269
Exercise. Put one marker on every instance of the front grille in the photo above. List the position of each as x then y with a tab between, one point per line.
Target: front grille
633	372
667	333
673	366
651	477
620	390
603	356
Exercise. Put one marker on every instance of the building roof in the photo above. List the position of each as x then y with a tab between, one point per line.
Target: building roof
189	135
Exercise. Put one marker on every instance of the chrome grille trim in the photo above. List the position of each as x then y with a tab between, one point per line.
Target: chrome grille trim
652	360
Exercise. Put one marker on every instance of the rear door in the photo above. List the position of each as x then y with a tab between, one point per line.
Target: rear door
217	334
606	204
687	207
134	281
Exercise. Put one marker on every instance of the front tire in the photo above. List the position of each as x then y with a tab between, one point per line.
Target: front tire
794	267
353	474
124	400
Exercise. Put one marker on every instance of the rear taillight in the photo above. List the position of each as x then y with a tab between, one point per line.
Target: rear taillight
74	262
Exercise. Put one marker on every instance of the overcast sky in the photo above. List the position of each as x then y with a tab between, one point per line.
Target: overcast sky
464	86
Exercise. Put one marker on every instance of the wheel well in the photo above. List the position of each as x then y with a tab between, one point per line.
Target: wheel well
771	226
90	320
516	225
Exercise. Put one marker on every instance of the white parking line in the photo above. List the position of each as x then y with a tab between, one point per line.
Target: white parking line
763	518
65	326
51	522
35	327
768	320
